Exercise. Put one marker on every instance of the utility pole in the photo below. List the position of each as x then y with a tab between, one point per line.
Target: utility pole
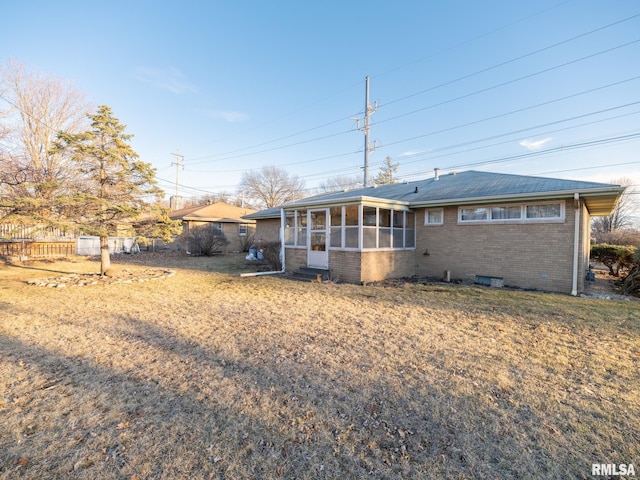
368	111
179	158
175	205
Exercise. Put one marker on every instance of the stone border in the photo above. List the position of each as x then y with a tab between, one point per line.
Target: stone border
83	280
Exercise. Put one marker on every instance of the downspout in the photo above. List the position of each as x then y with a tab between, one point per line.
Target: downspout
576	244
273	272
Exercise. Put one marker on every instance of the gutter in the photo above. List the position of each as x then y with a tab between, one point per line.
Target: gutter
576	245
273	272
551	195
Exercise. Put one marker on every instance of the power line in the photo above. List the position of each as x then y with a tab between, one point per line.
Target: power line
586	144
509	82
519	110
506	62
431	89
563	148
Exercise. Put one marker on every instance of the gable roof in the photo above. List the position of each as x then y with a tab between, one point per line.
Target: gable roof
215	212
472	187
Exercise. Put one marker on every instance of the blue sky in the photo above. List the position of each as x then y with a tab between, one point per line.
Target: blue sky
539	87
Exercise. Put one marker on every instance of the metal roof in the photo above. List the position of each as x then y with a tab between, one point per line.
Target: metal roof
470	187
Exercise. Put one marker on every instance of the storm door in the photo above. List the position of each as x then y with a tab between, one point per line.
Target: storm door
318	242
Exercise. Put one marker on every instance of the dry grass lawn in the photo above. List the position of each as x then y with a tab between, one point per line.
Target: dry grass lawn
208	375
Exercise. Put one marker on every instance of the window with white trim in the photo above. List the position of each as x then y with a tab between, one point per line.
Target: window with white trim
434	216
544	211
295	228
243	229
536	212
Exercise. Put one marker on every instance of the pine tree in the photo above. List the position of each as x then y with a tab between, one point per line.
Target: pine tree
113	187
387	173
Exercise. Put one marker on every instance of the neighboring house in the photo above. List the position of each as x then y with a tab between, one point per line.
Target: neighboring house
227	218
521	231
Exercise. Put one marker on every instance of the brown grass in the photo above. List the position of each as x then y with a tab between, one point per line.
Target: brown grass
209	375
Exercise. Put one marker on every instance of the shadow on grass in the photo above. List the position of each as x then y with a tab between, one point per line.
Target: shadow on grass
39	268
159	405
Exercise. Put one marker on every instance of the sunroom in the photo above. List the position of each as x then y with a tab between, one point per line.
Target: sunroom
352	240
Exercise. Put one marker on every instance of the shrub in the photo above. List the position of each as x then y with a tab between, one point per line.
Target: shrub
271	254
246	241
208	239
616	258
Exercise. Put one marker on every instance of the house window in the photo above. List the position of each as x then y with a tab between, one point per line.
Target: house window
369	227
473	214
295	228
506	213
544	211
384	227
553	211
398	229
434	216
409	230
336	226
290	228
351	227
243	229
387	228
301	228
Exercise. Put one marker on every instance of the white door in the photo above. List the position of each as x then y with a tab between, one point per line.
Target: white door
318	238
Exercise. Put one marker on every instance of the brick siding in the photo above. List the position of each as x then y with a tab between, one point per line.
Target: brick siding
532	255
527	255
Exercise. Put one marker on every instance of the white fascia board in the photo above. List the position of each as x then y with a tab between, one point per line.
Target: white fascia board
518	197
376	201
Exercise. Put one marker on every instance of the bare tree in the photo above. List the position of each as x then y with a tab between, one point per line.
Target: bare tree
338	183
40	107
271	186
622	216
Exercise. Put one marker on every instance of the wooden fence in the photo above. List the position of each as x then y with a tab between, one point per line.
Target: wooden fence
30	248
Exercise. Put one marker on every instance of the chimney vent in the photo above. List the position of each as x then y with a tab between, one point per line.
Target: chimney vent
437	174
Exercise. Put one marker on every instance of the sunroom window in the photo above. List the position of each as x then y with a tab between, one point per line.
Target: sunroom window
384	230
369	227
336	227
351	227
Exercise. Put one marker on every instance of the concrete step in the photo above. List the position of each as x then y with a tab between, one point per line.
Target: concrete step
310	274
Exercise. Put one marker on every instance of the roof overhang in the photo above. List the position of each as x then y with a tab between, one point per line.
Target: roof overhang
190	218
374	201
598	201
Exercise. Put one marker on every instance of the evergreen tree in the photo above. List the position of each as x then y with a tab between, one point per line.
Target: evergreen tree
387	173
113	188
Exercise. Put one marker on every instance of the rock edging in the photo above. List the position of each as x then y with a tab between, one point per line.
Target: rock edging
83	280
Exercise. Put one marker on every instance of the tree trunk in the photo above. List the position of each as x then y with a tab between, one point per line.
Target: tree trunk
105	258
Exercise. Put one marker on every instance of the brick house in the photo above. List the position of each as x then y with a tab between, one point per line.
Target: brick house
521	231
222	216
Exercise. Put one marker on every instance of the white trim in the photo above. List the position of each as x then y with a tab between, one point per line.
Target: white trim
427	223
576	245
523	213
